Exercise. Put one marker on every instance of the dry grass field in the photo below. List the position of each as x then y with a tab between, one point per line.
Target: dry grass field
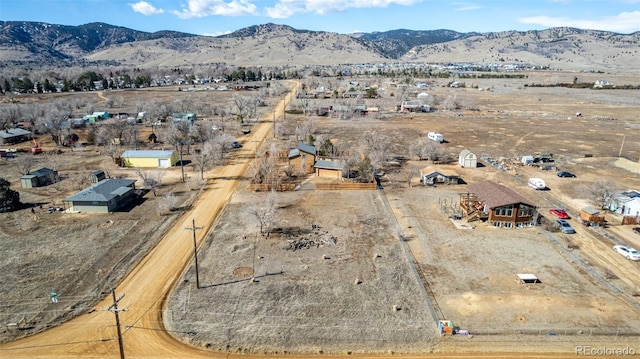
337	292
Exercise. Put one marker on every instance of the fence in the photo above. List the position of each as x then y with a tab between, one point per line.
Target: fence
345	186
263	187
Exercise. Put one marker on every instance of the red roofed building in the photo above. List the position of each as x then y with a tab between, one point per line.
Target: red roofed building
498	205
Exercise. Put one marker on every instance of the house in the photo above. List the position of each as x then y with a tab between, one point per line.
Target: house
414	106
103	197
329	168
431	176
14	135
39	178
626	203
467	159
498	205
149	158
302	158
189	118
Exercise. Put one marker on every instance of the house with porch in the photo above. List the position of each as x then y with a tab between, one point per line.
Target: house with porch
430	176
498	205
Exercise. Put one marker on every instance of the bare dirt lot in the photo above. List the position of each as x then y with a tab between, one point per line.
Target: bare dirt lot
337	291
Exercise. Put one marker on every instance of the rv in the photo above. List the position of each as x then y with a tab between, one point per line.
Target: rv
537	183
434	136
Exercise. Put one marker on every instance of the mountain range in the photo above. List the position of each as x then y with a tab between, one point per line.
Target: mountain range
42	44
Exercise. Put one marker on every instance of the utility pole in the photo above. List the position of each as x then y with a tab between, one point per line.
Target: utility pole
114	308
193	228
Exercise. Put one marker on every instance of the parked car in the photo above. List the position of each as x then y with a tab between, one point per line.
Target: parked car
565	174
560	213
565	227
236	144
636	230
627	252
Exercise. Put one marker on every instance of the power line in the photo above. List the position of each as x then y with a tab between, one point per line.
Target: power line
114	308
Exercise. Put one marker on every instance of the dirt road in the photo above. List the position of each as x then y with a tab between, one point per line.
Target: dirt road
145	289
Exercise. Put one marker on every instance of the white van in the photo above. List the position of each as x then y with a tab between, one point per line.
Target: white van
434	136
537	183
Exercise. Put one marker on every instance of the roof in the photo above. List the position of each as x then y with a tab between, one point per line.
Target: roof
14	132
41	172
465	153
432	172
495	195
102	191
628	195
330	165
590	210
147	153
302	148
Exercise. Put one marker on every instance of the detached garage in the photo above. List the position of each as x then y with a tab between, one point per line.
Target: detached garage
149	158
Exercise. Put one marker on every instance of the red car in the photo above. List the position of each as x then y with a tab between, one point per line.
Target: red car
560	213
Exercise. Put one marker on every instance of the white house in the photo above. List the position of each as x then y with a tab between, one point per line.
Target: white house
468	159
626	203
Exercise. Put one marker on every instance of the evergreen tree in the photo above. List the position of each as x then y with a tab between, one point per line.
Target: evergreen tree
9	199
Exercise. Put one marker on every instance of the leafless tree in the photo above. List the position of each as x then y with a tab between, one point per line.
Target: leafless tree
266	170
420	148
265	213
451	103
55	121
602	192
10	115
376	147
26	163
409	173
436	153
151	180
204	156
304	131
168	202
109	102
242	105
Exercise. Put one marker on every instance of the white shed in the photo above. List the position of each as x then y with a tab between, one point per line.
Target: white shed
468	159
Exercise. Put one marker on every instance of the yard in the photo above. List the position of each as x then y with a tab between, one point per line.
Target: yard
334	274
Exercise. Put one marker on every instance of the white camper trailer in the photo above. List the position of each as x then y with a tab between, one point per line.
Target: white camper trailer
434	136
537	183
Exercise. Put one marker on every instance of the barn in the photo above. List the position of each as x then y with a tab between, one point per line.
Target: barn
149	158
42	177
467	159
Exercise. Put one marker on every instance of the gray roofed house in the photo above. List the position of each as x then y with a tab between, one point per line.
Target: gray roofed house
302	148
14	135
103	197
302	158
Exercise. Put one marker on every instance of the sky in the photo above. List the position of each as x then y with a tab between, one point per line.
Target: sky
217	17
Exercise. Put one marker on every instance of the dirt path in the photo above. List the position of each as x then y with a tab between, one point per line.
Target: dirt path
146	287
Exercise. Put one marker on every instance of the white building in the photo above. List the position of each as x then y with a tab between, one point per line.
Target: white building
467	159
626	203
